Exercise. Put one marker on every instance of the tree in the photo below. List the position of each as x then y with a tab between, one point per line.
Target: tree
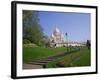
46	41
32	30
88	44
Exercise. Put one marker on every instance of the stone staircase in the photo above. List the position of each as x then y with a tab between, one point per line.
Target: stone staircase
43	62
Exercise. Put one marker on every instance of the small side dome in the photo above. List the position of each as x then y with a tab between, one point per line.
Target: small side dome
52	36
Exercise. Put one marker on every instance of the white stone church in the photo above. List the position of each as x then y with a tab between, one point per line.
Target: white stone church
57	39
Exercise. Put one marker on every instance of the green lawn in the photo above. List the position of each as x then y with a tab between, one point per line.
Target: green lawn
80	58
33	53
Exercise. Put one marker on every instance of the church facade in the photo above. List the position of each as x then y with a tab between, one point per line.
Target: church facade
57	38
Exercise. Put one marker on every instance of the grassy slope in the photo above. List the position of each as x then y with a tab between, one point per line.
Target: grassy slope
85	59
80	58
30	53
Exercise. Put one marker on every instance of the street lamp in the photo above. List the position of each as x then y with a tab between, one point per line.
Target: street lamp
67	40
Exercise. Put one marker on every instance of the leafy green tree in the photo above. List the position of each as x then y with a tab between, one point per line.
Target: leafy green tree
46	41
32	30
88	44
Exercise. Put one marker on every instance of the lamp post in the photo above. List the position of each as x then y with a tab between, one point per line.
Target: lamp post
67	40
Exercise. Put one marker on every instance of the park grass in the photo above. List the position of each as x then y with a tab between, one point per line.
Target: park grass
76	59
85	58
33	53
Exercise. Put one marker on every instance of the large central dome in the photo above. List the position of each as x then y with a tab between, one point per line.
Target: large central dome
57	32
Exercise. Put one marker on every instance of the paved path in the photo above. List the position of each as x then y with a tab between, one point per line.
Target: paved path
30	66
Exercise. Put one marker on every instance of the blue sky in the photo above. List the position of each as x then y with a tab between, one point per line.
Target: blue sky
77	25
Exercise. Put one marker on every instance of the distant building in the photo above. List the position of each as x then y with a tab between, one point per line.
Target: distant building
57	40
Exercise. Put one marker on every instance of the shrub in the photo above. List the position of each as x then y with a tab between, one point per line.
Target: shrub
26	41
